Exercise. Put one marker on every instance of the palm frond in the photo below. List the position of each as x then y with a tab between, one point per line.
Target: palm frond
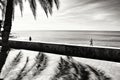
50	3
33	7
41	64
57	3
13	64
63	71
20	3
100	74
47	5
22	72
69	69
43	4
3	7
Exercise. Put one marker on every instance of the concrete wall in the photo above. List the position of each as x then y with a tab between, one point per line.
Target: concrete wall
101	53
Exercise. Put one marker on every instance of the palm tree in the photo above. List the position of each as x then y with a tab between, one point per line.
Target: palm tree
7	7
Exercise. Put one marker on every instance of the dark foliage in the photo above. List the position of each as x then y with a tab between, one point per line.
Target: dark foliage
69	69
40	64
13	64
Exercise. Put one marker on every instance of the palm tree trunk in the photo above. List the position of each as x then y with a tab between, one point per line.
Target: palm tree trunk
6	32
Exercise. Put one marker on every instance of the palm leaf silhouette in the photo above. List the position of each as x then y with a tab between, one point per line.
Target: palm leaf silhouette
69	69
13	64
23	71
41	61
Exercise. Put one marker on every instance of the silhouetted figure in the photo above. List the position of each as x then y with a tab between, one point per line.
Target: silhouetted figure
30	38
91	42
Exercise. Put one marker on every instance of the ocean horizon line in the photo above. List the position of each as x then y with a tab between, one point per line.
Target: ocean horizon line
72	30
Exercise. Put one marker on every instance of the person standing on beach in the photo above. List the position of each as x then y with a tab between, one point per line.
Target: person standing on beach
30	38
91	42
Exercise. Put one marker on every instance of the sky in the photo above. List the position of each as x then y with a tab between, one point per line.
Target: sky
72	15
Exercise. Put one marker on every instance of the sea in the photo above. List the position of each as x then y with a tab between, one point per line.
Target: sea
77	37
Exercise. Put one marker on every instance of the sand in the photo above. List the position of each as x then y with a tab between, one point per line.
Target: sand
110	68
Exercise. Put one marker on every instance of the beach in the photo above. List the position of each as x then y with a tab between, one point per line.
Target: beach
110	68
77	37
